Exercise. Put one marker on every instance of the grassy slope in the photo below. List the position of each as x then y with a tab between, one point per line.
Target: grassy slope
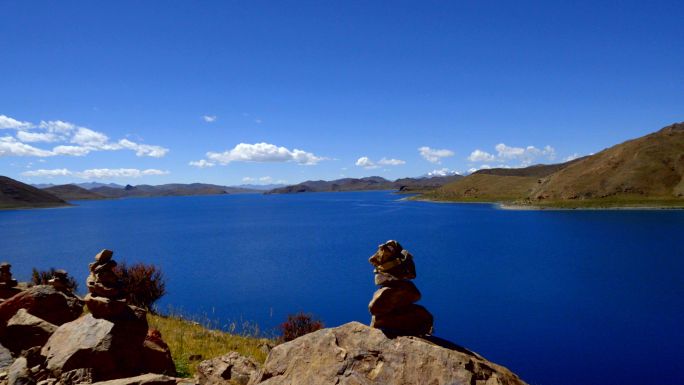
485	188
186	338
644	172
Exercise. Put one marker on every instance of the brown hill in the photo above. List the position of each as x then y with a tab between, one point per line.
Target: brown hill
71	192
650	167
173	189
14	195
643	171
368	184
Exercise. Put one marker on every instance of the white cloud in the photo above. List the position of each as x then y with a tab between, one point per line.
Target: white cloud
258	121
572	157
89	138
480	156
443	172
78	141
31	137
57	126
96	173
209	118
100	173
201	163
9	146
144	149
263	152
10	123
433	155
525	155
248	179
71	150
366	163
265	179
391	162
48	173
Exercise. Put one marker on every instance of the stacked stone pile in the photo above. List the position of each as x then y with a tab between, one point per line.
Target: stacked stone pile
105	298
60	280
7	283
393	306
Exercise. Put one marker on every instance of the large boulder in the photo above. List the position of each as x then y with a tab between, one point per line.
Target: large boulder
24	331
229	369
45	302
357	354
111	349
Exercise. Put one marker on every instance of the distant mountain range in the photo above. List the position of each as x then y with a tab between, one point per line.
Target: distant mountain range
647	171
368	184
174	189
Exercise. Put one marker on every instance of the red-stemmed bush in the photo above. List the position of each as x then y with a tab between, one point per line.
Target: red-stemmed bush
144	284
297	325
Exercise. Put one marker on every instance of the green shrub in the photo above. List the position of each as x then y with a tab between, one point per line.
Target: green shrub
143	284
298	325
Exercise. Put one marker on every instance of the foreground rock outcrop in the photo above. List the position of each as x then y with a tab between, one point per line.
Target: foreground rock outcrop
357	354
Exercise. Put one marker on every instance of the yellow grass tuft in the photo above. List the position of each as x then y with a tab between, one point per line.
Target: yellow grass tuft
191	342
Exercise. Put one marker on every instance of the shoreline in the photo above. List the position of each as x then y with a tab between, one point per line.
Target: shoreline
521	207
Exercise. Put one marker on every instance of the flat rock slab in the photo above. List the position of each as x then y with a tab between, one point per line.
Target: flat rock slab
355	354
145	379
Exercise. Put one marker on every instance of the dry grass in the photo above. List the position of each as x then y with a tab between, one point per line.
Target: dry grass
192	342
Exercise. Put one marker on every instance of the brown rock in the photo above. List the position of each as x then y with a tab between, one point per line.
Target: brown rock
103	307
145	379
228	369
387	299
412	320
392	259
24	331
354	354
77	376
104	256
111	349
19	373
6	358
45	302
156	355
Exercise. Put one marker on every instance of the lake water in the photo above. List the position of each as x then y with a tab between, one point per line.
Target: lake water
559	297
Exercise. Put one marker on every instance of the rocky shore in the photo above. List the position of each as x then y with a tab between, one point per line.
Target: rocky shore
46	338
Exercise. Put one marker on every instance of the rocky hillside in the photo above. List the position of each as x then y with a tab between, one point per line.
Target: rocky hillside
643	171
650	167
14	194
368	184
72	192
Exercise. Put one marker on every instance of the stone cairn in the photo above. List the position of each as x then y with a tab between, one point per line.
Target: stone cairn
6	280
105	298
60	280
393	305
7	283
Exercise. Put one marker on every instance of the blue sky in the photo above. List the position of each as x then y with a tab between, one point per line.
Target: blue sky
230	92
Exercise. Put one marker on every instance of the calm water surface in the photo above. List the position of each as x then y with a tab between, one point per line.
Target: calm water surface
559	297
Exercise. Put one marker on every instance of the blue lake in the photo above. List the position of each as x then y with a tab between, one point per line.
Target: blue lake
559	297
